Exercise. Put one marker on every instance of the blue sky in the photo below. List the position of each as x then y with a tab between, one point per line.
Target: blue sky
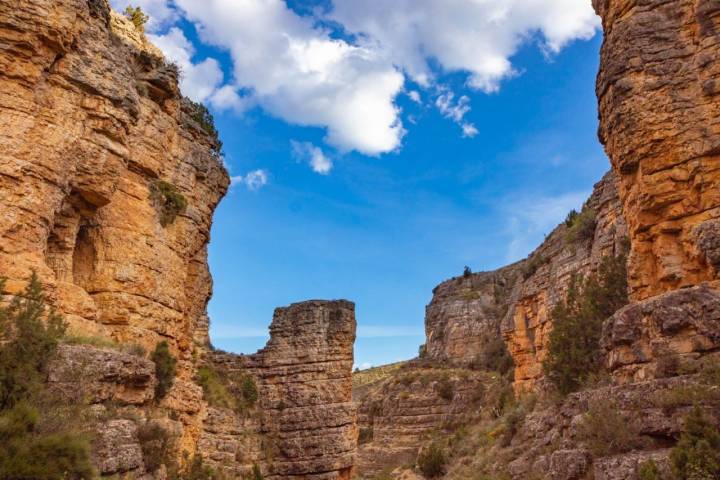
371	162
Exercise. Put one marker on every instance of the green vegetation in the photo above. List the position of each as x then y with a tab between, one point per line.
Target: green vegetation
236	391
606	431
697	455
137	17
37	438
196	469
445	388
574	353
533	265
649	471
580	226
494	357
157	445
467	272
256	473
432	461
202	116
422	351
165	369
102	342
168	201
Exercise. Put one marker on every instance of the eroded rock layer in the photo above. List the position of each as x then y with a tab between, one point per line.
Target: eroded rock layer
659	101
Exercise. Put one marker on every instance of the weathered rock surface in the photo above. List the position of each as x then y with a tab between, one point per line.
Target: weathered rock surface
646	338
95	375
396	415
92	117
659	101
305	384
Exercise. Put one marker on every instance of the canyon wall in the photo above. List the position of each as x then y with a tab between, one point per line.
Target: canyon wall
109	179
515	301
659	100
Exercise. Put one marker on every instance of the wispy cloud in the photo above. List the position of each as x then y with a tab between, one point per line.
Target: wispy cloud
253	180
314	156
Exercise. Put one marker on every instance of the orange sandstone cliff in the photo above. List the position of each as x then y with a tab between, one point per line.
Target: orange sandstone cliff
96	143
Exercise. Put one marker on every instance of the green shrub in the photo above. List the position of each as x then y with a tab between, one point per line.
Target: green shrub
533	264
165	369
649	471
249	390
214	390
157	445
36	440
422	351
467	272
571	217
432	461
200	114
32	332
697	454
196	469
581	226
168	201
445	388
494	357
606	431
574	353
137	16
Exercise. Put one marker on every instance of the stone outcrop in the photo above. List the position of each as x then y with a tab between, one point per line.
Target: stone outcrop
306	422
659	101
305	384
515	301
465	313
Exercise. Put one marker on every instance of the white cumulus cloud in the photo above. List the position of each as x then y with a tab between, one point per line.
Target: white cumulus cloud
298	72
474	36
253	180
307	152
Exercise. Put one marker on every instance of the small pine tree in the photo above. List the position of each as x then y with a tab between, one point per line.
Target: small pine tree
574	352
467	271
137	17
165	369
697	455
432	461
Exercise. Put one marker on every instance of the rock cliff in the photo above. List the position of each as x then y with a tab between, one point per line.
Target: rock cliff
658	90
109	181
469	311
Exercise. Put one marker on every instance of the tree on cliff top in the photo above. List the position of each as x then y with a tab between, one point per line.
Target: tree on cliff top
137	17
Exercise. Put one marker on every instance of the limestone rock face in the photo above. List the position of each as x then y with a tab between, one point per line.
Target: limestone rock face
91	119
305	390
659	102
516	301
465	313
646	338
